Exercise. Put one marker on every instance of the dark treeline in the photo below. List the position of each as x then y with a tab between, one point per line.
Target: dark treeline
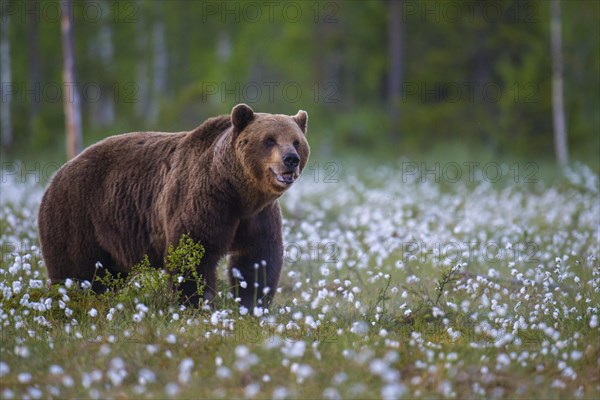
371	74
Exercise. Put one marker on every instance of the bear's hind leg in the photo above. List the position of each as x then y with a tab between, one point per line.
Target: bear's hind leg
82	268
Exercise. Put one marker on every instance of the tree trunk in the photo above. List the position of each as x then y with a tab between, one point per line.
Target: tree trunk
33	55
558	108
5	76
71	99
395	50
102	110
141	70
159	69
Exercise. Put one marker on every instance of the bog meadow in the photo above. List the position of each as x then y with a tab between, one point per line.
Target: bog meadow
391	289
443	240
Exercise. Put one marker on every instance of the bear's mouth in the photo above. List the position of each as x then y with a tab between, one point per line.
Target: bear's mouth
285	178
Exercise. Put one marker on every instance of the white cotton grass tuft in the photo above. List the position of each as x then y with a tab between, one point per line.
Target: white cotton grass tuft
4	369
294	349
185	370
302	372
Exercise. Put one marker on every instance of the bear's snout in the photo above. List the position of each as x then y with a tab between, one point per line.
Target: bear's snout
291	160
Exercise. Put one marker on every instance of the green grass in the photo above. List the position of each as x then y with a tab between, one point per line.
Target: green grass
359	312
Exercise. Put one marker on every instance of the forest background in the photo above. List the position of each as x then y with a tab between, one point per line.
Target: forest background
386	78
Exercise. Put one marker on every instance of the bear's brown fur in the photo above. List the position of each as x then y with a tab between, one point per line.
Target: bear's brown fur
134	194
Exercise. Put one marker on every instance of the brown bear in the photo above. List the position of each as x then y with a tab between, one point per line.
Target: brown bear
132	195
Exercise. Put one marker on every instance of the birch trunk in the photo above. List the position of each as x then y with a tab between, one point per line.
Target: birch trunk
71	99
5	76
558	108
159	70
395	51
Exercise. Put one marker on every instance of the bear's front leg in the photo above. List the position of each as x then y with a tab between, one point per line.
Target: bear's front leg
215	237
256	258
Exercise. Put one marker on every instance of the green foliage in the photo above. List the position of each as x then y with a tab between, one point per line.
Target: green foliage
449	275
144	283
153	285
183	261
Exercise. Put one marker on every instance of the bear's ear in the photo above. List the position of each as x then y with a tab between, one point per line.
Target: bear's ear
301	119
241	116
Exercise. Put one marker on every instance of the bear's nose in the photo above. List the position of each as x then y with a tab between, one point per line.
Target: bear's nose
291	160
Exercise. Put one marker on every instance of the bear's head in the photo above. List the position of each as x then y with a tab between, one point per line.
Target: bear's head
271	148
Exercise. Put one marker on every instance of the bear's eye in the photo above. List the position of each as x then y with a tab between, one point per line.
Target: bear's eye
296	143
270	141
